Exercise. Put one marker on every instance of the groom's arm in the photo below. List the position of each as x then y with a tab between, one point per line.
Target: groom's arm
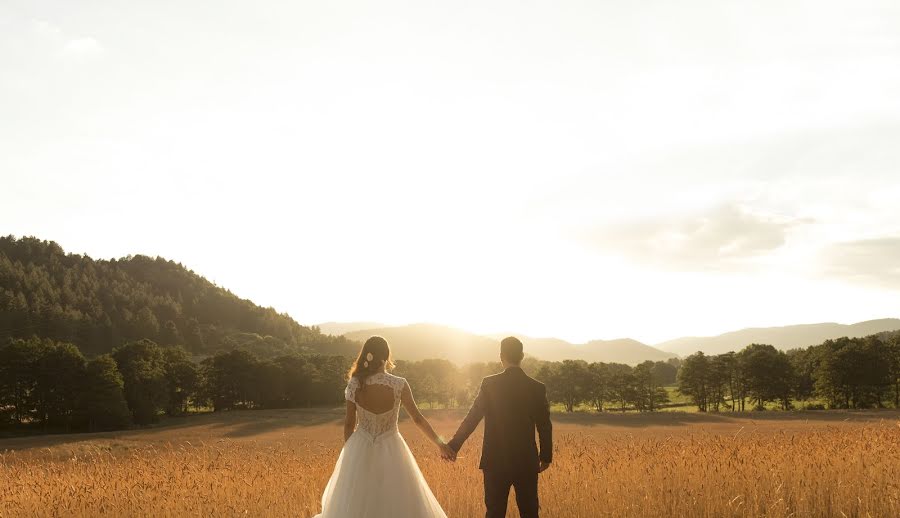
543	425
476	413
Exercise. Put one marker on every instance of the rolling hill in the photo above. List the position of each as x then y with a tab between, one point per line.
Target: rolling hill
787	337
100	304
342	328
623	350
421	341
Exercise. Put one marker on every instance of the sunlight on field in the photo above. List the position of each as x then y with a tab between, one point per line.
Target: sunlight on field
277	463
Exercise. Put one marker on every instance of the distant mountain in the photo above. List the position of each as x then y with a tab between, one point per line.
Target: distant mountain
99	304
342	328
421	341
787	337
623	350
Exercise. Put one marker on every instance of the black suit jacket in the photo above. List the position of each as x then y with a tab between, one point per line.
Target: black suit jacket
513	405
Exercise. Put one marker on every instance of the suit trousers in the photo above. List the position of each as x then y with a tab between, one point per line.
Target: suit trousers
496	493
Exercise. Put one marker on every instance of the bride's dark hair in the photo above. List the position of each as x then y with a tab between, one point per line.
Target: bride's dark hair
374	353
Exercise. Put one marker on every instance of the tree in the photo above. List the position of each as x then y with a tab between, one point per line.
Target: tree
730	380
666	372
674	362
622	385
784	380
693	379
440	381
328	388
718	381
853	372
229	379
804	362
143	369
440	378
568	382
17	381
182	379
893	352
427	387
298	375
57	374
101	401
768	375
194	335
649	393
598	385
269	385
145	325
169	334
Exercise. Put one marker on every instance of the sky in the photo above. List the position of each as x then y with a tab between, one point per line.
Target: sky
579	169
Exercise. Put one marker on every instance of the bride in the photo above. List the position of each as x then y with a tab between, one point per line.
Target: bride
376	475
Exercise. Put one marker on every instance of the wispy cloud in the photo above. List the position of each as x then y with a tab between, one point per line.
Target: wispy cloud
869	261
726	237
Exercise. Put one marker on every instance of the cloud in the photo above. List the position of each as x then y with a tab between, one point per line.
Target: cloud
82	47
868	261
51	37
727	237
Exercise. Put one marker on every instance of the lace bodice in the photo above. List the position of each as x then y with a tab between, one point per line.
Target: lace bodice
377	424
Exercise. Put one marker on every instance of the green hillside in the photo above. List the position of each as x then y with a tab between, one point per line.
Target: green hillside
99	304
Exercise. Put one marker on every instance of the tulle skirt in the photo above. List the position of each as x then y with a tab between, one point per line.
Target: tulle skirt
377	477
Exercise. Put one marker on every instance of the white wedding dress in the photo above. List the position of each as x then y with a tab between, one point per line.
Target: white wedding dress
376	475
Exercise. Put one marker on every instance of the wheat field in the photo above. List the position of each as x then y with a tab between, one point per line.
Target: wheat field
277	463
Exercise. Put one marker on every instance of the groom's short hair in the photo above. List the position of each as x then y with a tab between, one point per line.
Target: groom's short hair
511	349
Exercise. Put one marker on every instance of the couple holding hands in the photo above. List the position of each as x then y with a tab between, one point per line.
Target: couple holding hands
376	475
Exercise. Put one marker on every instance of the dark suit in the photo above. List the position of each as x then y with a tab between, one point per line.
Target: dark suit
513	405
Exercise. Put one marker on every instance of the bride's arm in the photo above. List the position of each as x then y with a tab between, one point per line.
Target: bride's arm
409	403
349	420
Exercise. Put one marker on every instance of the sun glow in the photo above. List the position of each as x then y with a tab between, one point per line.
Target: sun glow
526	169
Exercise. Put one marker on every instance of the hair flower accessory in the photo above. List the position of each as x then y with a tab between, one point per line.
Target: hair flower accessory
370	357
366	364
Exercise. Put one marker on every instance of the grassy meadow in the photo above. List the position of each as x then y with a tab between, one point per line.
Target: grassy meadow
276	463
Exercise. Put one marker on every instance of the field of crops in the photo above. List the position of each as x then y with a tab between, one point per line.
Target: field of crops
276	463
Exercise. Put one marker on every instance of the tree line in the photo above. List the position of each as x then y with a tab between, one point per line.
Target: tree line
608	385
50	385
850	373
845	373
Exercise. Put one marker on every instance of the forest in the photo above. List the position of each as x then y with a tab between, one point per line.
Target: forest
82	349
98	305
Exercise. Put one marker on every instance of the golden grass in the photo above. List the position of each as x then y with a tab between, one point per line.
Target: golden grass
739	468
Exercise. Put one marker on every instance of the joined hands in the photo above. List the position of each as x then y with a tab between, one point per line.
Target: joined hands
447	453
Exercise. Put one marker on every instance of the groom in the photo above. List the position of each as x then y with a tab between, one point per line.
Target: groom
513	405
